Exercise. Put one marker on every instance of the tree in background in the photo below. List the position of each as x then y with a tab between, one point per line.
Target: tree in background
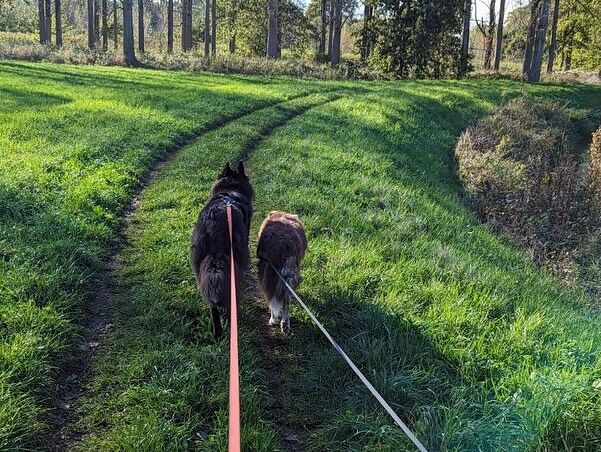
91	33
367	34
488	31
535	8
187	25
58	23
213	27
48	16
42	22
207	32
129	54
553	44
105	28
465	38
499	48
169	26
272	29
115	25
141	25
336	30
418	39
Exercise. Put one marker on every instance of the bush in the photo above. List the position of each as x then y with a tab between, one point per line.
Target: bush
525	174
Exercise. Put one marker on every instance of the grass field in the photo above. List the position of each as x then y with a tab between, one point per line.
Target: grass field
475	347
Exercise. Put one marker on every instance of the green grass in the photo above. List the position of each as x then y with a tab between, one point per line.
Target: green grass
75	143
475	347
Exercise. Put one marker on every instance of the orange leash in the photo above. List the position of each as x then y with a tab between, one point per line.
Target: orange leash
234	420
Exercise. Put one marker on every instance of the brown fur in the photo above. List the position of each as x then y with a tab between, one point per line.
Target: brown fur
282	242
210	251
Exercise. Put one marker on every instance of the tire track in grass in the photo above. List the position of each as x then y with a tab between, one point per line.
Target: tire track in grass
97	322
147	315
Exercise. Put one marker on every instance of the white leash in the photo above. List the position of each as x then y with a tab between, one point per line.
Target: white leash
365	381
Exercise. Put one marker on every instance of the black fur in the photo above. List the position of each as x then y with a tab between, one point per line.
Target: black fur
210	251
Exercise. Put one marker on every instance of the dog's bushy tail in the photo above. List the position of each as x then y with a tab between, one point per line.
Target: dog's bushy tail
214	280
271	284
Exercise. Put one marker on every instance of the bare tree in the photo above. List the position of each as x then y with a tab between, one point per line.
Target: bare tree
272	29
539	45
465	37
499	49
553	44
141	25
91	33
330	29
322	34
528	51
115	25
488	31
213	27
129	54
368	12
207	33
337	19
170	26
187	25
105	28
58	23
232	23
96	21
42	22
48	8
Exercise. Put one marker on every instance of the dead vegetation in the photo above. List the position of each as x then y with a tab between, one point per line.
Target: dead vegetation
526	170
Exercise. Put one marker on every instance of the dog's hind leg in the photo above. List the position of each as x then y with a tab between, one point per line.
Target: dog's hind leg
216	318
275	306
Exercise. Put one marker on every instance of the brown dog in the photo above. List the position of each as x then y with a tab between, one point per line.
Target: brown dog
210	251
282	243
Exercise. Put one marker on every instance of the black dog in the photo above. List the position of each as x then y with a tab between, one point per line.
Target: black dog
210	252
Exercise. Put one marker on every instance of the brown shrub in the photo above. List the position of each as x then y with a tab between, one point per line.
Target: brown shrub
523	171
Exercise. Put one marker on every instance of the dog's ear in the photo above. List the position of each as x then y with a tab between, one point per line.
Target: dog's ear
241	169
227	171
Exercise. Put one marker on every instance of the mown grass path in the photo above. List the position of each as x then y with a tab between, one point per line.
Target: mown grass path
160	358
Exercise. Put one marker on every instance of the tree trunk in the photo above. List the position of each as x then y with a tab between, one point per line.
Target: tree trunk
214	27
115	25
534	15
272	29
539	46
490	36
141	26
499	49
330	29
207	33
129	54
105	27
365	32
48	16
187	25
322	35
58	23
553	45
42	21
335	58
170	26
96	22
465	37
91	39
